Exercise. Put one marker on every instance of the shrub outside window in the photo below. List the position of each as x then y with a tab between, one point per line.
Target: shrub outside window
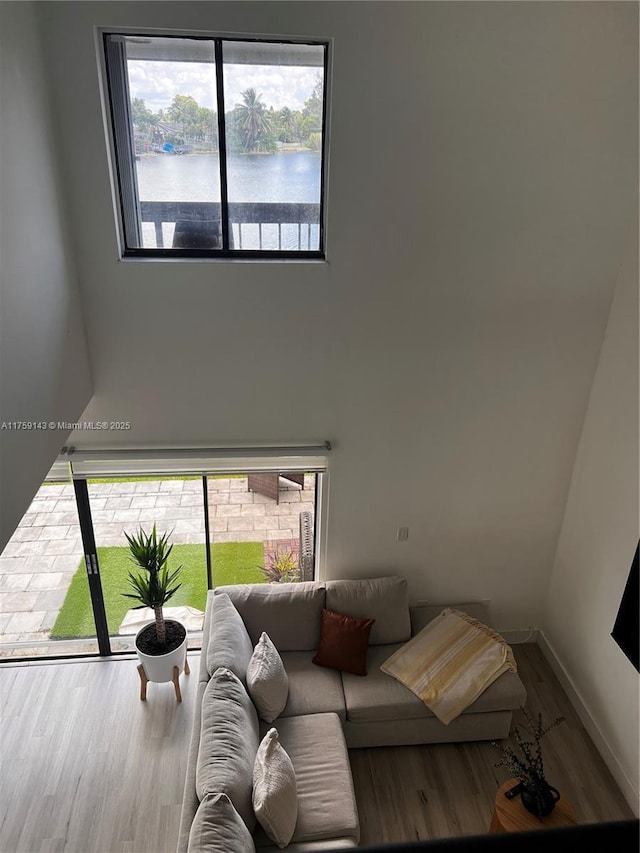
219	145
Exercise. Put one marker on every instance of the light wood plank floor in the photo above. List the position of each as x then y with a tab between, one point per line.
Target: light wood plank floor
85	767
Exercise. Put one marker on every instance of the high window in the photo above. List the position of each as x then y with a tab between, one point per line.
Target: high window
218	145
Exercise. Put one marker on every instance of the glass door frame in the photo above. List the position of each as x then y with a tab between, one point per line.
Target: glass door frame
92	566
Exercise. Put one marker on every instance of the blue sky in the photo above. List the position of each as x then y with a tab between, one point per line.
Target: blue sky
280	86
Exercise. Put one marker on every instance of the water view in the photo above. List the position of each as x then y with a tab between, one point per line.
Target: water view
282	178
291	176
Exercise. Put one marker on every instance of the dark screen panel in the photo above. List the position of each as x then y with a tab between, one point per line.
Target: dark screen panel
626	631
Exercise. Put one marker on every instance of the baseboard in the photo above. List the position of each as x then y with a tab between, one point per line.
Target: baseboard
618	772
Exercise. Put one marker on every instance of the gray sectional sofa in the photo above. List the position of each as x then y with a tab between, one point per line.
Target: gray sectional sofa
327	711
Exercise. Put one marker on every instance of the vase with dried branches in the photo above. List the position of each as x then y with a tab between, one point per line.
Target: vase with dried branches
525	762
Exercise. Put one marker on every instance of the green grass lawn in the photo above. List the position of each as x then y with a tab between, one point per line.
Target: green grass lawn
232	562
93	480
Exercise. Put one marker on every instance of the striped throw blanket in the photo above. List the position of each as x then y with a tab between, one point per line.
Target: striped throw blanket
450	663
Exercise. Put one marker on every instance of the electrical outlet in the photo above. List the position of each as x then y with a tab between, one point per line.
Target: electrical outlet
403	534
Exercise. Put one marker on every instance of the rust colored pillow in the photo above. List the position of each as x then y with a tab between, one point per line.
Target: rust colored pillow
343	642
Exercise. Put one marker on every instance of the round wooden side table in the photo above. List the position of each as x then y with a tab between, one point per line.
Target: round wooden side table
511	815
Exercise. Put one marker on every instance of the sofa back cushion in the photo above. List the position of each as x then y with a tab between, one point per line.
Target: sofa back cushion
289	612
229	643
384	599
218	828
229	739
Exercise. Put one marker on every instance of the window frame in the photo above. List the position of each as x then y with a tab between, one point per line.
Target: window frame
121	153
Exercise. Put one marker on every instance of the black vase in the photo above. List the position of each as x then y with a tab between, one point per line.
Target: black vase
540	799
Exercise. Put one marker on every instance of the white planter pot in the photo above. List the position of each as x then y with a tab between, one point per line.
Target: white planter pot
159	668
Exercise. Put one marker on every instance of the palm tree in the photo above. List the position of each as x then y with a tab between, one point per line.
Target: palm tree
288	125
253	120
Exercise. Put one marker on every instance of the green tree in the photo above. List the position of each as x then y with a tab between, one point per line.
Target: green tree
199	124
287	125
141	115
253	122
208	125
312	112
184	110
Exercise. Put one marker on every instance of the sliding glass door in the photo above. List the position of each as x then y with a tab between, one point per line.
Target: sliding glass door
44	579
126	506
64	575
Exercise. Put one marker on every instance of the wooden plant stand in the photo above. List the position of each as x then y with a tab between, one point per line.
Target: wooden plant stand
511	815
176	680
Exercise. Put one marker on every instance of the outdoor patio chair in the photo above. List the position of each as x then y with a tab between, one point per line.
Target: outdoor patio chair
198	234
269	484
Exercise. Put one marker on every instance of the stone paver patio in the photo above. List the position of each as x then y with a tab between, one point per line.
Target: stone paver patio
41	557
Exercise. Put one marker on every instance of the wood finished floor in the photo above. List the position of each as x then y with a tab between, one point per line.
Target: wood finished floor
85	767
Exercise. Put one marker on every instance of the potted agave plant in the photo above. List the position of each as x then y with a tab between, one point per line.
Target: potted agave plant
526	764
281	566
161	645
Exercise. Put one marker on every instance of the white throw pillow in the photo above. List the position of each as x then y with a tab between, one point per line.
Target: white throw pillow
267	681
275	793
218	828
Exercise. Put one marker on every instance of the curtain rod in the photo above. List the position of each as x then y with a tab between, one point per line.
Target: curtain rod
197	451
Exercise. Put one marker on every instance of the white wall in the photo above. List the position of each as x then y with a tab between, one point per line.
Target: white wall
597	543
480	170
44	373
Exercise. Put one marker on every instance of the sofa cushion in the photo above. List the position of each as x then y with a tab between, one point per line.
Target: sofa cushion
343	642
218	828
378	696
275	795
312	689
229	737
229	643
326	802
267	680
384	599
288	612
381	697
